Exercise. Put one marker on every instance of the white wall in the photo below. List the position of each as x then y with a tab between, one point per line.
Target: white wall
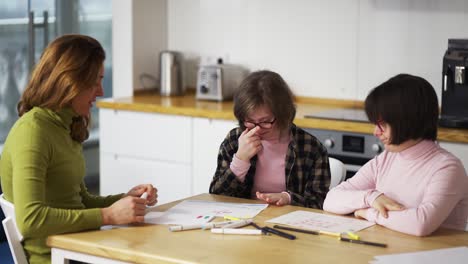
329	48
122	46
139	33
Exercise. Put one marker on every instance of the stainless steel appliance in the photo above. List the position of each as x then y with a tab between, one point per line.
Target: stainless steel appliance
353	149
218	82
171	74
455	85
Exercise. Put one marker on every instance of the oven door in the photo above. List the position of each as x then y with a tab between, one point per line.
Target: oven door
352	164
353	149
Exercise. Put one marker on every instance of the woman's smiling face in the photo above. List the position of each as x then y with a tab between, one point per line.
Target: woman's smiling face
83	102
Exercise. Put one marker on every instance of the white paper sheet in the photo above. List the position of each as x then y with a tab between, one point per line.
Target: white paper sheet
457	255
316	221
193	211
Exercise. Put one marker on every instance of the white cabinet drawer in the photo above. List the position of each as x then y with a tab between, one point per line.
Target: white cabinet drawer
146	135
119	174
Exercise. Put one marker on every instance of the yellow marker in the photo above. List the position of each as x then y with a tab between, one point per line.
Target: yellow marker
232	218
353	235
329	233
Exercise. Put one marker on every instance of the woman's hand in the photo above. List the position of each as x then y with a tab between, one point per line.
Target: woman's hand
360	213
138	190
383	204
249	144
274	198
126	210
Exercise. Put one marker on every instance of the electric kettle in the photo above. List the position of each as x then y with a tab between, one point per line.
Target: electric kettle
171	74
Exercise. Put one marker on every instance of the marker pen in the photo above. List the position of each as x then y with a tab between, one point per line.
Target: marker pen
279	233
353	235
363	242
239	223
232	218
185	227
191	226
235	231
216	224
328	233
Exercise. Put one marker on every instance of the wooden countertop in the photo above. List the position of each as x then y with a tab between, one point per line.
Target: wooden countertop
187	105
156	244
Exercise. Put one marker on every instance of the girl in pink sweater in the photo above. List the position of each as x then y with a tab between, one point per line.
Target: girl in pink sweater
414	186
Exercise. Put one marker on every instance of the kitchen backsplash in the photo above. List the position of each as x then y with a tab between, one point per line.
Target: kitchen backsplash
332	49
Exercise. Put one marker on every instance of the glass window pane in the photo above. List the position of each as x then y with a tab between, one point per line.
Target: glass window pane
13	60
94	19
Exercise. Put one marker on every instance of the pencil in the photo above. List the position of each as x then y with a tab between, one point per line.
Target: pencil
363	242
296	230
313	232
278	233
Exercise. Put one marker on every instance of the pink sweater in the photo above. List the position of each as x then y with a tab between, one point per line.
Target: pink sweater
270	171
429	181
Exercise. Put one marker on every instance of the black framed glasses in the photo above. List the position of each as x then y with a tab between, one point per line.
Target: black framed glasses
263	124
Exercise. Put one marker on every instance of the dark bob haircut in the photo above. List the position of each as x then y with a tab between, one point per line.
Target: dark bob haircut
269	89
408	104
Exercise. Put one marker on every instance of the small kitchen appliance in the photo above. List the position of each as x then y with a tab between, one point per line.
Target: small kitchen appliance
171	74
219	81
455	85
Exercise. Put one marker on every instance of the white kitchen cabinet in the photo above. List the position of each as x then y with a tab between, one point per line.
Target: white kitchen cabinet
208	134
138	147
119	174
146	135
177	154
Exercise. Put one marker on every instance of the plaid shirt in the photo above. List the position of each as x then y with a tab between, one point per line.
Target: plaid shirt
307	170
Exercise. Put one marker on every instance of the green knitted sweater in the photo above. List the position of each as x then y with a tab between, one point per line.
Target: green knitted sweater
42	171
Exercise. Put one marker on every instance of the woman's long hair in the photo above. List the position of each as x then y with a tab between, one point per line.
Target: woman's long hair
69	65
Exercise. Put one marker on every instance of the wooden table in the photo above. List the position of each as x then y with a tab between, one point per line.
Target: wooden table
156	244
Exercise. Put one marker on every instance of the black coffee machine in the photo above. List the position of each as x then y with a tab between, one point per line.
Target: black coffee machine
455	85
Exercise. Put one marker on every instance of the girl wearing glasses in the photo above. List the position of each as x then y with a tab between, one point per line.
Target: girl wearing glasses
414	186
267	157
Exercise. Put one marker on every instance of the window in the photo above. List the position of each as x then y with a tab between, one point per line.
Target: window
87	17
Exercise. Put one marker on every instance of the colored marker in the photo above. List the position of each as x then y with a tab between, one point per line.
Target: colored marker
362	242
297	230
353	235
278	233
191	226
266	230
313	232
185	227
235	231
239	223
216	224
329	233
228	217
